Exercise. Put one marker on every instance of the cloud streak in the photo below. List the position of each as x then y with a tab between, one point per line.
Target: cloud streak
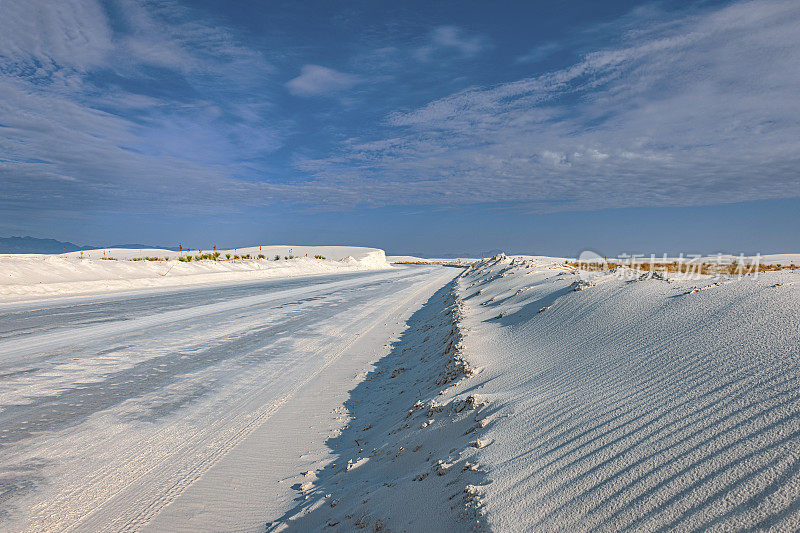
451	39
81	129
154	108
316	80
693	111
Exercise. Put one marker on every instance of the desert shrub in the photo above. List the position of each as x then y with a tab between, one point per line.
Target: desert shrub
227	256
246	256
236	257
261	256
277	258
109	258
319	257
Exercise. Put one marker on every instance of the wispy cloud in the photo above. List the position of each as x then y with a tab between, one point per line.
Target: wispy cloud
315	80
451	39
147	106
690	111
39	37
540	52
84	123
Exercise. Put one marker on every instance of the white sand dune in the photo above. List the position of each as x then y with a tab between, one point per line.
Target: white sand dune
636	404
519	394
25	277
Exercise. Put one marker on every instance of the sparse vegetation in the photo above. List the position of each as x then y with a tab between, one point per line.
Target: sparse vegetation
686	267
236	257
319	257
261	256
228	256
277	258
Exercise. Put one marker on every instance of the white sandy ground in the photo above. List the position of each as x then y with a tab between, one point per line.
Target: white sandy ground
432	260
178	412
636	404
31	277
629	404
520	396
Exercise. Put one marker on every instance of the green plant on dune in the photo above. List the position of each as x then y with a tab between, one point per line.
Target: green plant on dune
277	258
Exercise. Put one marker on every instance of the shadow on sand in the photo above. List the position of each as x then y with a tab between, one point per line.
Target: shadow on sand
403	461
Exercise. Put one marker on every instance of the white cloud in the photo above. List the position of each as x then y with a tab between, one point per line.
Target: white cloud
37	36
540	52
451	39
69	140
315	80
691	111
688	111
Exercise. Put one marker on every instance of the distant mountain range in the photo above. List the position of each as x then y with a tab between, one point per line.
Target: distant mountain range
32	245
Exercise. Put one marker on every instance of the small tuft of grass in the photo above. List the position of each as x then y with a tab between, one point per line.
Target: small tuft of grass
277	258
319	257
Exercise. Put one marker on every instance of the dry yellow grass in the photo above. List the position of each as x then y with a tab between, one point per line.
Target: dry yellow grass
686	267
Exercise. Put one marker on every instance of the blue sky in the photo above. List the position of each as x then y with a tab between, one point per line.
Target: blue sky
540	127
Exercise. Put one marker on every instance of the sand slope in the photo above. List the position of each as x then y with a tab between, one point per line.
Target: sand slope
641	404
29	277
